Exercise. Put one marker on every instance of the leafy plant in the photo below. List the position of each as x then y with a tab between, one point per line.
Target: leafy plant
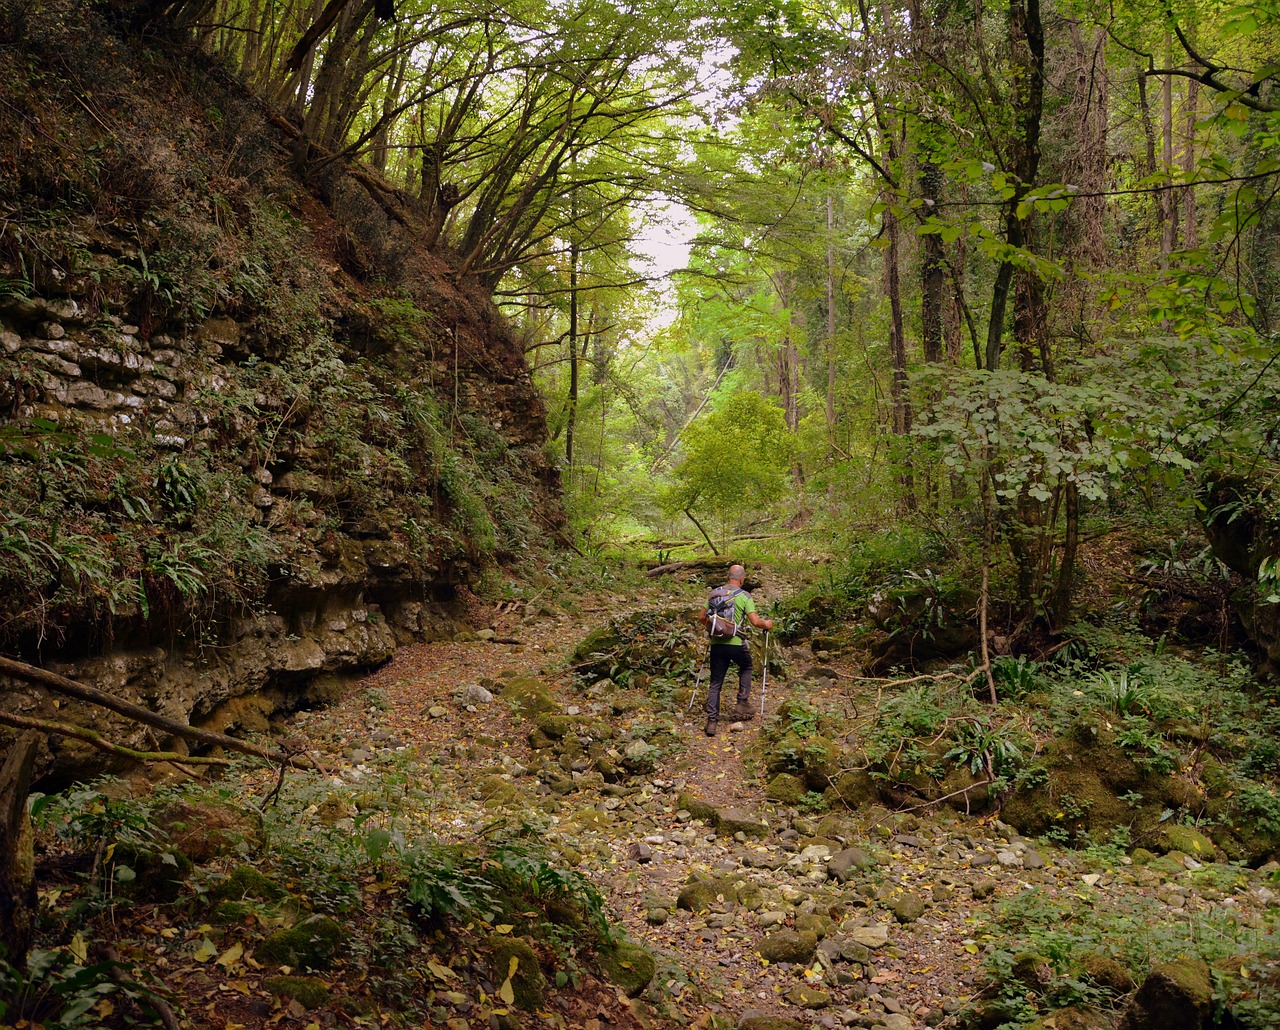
985	748
57	990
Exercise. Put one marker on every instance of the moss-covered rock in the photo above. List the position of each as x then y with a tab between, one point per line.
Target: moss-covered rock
628	965
812	758
555	726
307	991
204	830
1087	775
785	788
1074	1017
1188	840
311	944
698	808
528	697
794	946
1107	973
701	895
514	959
246	881
1176	995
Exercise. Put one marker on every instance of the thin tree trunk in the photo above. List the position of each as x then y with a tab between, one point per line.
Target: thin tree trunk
1060	608
931	272
1190	220
831	319
1168	204
18	902
571	424
708	539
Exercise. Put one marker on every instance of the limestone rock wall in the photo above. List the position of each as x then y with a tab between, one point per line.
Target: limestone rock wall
253	435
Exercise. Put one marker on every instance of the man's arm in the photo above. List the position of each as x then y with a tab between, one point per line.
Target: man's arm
758	622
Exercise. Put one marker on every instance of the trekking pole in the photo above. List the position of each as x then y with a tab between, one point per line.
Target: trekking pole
764	679
698	678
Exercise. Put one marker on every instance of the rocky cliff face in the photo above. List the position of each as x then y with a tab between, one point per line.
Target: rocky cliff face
254	435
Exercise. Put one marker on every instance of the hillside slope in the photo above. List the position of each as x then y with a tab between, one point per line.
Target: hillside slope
254	436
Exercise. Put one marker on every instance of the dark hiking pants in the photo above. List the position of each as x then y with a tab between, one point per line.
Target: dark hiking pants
722	656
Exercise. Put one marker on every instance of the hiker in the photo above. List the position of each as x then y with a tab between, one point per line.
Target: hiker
728	610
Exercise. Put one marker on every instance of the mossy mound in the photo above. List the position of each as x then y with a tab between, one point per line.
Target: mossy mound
1087	775
628	965
311	944
1188	840
307	991
786	788
813	758
529	697
1176	995
247	882
514	959
207	829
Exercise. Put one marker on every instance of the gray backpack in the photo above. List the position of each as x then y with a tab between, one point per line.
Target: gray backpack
720	613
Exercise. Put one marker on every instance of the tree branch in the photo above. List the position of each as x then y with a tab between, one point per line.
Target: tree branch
94	696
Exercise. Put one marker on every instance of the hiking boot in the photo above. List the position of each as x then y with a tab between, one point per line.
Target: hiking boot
710	729
743	712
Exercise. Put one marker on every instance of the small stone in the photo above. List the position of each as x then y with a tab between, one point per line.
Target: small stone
874	936
1033	860
1091	879
981	859
908	908
640	852
1008	859
983	888
767	919
656	916
808	998
476	695
437	712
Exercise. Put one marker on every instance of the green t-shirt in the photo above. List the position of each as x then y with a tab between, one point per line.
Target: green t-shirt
742	607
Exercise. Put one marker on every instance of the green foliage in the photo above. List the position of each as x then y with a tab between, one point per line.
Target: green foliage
734	460
59	990
986	748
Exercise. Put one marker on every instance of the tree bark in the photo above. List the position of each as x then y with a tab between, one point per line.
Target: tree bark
931	271
17	861
831	319
571	424
1168	203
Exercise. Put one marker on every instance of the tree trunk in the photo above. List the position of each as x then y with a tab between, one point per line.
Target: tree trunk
831	319
1060	608
1168	203
1190	220
931	271
571	424
898	352
18	903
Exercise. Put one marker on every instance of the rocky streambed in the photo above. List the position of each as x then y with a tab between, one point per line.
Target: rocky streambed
761	914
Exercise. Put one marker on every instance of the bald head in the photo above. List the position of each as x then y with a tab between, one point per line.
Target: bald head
737	573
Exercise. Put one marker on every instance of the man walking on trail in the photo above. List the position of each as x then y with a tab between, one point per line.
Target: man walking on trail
732	650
